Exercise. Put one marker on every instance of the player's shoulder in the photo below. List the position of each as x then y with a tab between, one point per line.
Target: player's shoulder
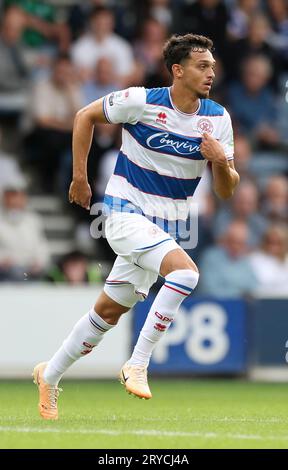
133	96
212	108
141	96
158	96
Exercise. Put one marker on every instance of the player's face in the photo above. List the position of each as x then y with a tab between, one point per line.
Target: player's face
198	73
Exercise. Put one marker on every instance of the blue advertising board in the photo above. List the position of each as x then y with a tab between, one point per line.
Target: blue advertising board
207	336
269	327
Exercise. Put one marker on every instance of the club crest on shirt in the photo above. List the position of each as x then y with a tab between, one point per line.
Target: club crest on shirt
204	125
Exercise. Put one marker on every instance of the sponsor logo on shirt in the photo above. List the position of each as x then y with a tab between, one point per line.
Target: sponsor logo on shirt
162	140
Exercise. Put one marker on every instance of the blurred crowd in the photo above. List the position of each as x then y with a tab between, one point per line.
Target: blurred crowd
59	56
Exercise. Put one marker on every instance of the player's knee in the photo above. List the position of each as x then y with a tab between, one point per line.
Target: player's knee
177	260
109	311
184	277
109	314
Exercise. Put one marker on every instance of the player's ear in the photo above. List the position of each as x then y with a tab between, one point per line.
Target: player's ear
177	70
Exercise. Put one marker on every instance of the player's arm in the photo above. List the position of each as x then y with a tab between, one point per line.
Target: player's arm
80	191
225	177
118	107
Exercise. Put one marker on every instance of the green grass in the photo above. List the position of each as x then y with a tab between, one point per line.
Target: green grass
208	414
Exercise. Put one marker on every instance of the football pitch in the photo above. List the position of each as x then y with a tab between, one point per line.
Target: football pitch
183	414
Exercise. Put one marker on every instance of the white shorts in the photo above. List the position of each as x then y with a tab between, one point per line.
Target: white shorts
141	247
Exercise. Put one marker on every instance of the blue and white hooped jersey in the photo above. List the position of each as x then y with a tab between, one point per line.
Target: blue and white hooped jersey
160	164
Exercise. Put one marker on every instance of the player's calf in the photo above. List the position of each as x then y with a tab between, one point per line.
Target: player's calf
178	285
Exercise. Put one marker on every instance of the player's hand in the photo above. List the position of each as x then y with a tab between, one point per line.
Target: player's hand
212	150
80	193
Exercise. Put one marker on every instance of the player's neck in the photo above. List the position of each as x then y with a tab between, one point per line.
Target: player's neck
185	102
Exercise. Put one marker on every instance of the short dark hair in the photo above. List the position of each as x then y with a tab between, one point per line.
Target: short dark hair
96	11
74	255
178	48
62	57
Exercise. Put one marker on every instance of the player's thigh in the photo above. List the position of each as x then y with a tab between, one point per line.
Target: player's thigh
166	258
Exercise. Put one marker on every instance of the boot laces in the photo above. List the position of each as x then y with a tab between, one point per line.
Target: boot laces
53	394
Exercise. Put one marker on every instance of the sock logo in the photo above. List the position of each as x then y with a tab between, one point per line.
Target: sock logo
161	317
89	346
160	327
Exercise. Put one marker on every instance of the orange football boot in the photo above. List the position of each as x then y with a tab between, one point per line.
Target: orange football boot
48	394
134	379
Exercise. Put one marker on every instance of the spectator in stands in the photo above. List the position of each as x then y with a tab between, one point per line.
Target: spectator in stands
256	43
275	203
203	208
201	17
106	165
13	70
278	12
270	263
23	247
244	207
106	168
125	16
54	104
10	169
258	167
240	15
252	102
282	110
160	10
148	54
42	26
243	152
148	48
225	268
101	41
160	77
103	81
106	138
74	269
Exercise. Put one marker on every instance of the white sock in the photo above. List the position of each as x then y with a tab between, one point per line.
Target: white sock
86	334
178	285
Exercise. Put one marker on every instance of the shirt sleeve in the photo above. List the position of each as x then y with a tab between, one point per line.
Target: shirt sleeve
125	105
226	138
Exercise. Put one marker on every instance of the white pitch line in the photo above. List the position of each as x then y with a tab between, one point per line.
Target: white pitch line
144	432
225	419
